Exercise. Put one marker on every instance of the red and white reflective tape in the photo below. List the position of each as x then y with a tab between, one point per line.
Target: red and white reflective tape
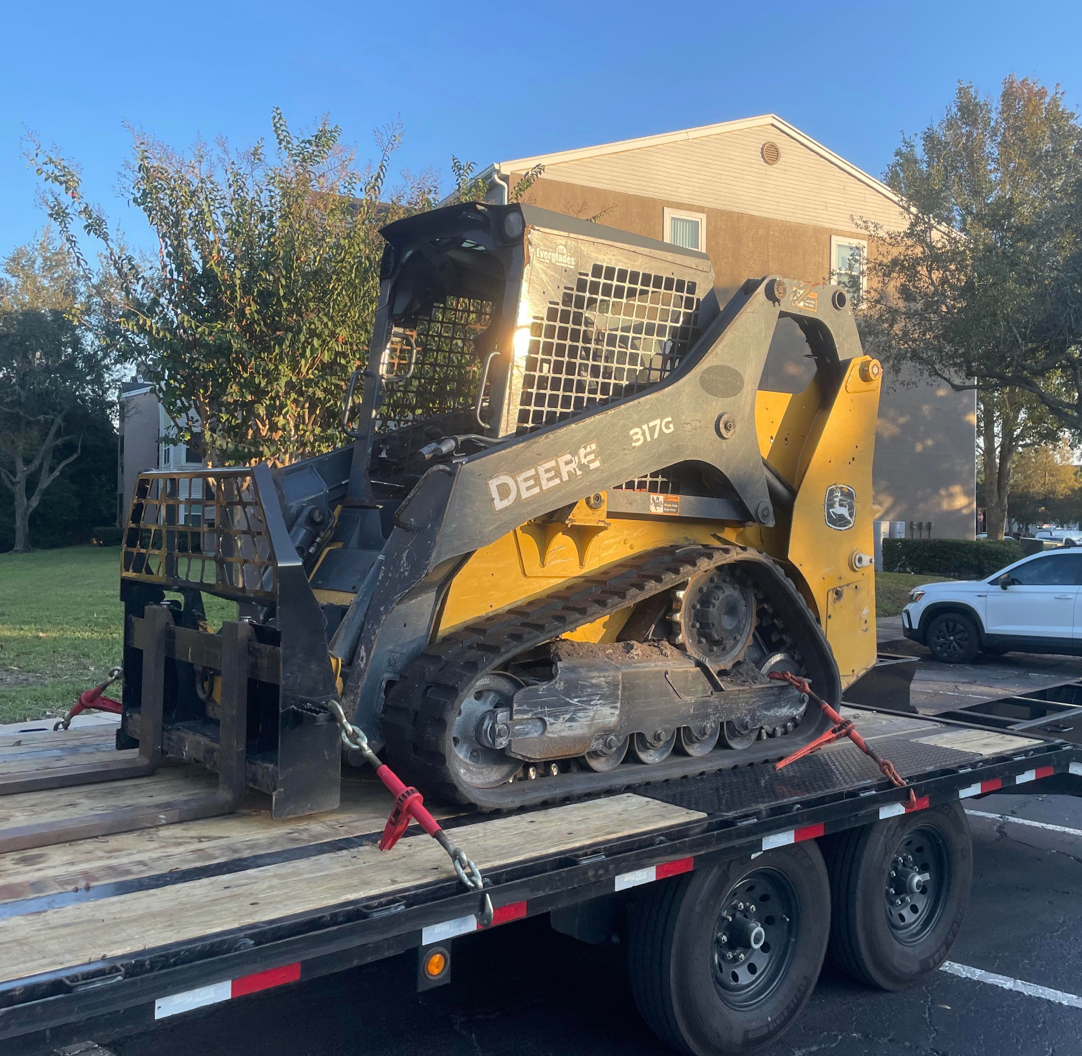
892	810
623	881
226	989
982	788
1034	775
783	839
448	929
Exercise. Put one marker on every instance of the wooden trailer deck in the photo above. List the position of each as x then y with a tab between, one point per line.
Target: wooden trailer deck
162	910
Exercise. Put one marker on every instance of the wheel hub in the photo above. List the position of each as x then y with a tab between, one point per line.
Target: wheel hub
916	885
754	938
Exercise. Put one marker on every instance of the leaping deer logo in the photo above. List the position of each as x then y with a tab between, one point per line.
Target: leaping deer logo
840	506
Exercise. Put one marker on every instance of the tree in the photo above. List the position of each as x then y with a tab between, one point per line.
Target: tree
1043	474
1007	423
982	286
54	377
260	302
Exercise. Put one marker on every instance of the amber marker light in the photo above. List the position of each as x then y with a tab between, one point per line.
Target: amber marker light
435	964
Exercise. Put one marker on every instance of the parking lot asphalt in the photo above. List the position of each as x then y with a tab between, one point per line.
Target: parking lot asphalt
524	990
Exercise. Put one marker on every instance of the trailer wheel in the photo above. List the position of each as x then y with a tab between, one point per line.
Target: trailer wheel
723	960
899	890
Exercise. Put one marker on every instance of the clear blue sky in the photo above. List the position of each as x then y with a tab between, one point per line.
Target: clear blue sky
491	81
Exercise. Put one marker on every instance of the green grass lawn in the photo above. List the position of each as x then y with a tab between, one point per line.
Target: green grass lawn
892	590
61	627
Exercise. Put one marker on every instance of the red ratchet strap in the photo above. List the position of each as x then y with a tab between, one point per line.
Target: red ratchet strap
842	728
92	698
408	803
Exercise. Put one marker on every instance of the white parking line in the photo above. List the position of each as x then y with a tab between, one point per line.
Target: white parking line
1025	821
1005	982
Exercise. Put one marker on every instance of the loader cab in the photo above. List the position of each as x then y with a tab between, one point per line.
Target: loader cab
498	321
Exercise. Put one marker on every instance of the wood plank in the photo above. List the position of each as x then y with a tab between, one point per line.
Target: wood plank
77	934
209	841
95	738
980	742
40	761
57	804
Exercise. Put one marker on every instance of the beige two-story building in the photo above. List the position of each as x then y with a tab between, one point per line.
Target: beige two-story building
761	197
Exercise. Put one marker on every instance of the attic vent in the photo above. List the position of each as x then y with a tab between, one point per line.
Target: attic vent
771	154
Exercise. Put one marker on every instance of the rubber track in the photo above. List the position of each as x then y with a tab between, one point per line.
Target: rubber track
414	719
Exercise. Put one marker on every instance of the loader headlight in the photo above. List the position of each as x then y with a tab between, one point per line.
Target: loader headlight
915	595
513	224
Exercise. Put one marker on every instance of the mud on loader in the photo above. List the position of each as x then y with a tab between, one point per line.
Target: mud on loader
570	540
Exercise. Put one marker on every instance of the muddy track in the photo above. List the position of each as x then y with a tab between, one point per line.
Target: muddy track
421	706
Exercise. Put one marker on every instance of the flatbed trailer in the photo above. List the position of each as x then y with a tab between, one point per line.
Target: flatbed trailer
107	935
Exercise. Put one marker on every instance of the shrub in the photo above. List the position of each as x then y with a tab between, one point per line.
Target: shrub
107	535
956	558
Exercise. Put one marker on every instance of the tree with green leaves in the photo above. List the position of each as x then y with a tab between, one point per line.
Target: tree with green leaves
1008	422
56	378
982	286
1045	475
260	301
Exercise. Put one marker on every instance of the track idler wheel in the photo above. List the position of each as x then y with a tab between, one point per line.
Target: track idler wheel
605	761
734	739
699	740
476	763
653	748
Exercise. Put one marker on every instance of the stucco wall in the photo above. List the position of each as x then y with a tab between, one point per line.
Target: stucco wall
139	418
924	462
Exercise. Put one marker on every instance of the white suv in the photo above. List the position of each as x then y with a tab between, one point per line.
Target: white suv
1034	605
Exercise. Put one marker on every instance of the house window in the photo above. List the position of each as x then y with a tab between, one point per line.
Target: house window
847	266
685	229
167	454
193	450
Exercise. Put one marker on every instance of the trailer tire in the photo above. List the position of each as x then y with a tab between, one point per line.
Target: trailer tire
868	938
692	998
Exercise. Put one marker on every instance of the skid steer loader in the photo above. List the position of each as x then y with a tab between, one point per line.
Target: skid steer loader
571	537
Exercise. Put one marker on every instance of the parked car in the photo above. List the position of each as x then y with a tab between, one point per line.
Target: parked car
1069	536
1034	605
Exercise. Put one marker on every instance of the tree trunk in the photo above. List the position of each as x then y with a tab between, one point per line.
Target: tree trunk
22	517
995	503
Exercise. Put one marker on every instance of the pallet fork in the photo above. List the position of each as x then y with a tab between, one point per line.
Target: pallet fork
269	726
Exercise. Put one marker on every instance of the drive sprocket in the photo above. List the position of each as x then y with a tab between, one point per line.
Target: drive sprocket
713	617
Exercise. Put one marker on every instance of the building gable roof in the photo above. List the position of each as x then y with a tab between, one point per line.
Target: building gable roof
722	166
720	128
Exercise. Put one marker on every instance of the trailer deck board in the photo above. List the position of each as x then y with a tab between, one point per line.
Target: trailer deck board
14	745
39	761
979	742
149	852
59	804
78	934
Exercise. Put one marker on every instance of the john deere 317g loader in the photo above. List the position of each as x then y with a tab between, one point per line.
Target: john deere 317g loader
569	541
